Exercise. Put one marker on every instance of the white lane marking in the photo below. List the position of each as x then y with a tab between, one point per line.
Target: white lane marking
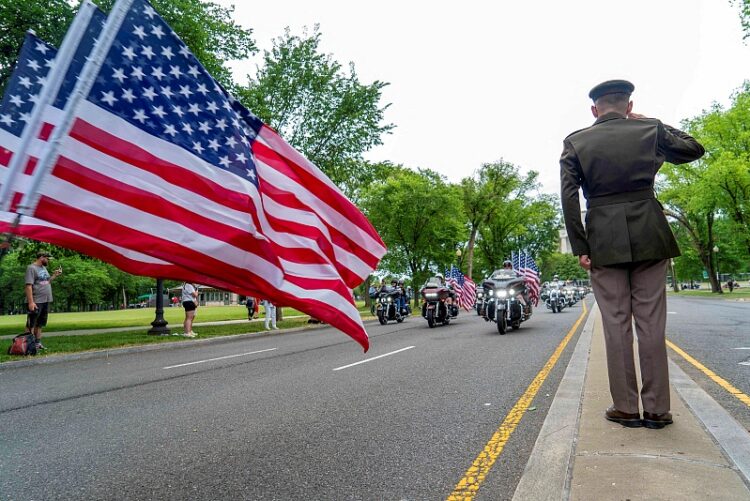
219	358
672	312
743	348
745	363
374	358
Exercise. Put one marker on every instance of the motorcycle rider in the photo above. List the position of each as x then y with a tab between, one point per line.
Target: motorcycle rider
522	295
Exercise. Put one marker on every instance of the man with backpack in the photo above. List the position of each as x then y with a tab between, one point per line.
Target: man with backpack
39	295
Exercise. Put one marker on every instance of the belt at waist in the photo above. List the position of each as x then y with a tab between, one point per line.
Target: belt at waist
620	198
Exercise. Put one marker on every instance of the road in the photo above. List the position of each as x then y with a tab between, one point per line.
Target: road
301	415
716	333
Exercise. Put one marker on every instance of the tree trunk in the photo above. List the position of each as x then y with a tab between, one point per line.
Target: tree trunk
470	252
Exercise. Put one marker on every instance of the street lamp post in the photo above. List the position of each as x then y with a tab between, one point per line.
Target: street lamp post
674	277
159	325
458	257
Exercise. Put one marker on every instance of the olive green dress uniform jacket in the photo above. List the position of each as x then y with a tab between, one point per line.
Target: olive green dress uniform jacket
615	161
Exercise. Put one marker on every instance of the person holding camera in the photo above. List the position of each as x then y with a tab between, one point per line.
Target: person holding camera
39	295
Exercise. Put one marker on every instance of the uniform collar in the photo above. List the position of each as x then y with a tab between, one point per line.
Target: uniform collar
608	116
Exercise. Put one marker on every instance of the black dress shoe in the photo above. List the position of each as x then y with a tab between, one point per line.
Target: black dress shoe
623	418
657	421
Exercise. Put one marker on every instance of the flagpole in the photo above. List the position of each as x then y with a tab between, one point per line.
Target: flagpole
80	91
47	93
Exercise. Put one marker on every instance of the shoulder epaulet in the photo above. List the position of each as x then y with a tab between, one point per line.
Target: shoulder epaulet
576	132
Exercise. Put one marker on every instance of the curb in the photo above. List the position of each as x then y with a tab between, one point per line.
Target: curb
549	468
87	355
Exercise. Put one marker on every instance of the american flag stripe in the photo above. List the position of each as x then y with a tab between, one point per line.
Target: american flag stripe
218	190
125	259
111	187
300	244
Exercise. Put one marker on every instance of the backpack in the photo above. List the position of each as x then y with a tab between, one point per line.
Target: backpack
23	344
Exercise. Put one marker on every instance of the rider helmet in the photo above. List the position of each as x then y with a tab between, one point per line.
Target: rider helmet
507	264
556	277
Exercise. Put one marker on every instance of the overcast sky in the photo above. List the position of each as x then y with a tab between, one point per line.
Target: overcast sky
476	81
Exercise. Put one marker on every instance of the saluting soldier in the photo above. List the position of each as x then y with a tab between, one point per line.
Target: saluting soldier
627	241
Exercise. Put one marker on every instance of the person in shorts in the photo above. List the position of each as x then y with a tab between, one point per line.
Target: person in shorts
39	295
190	303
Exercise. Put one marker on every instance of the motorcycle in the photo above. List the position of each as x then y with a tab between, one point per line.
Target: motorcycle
571	296
554	299
438	303
388	306
503	306
481	305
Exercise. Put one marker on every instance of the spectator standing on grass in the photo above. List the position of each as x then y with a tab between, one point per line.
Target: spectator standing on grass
39	295
190	303
252	307
270	309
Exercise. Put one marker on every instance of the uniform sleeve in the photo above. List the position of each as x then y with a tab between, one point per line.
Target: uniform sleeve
570	181
677	146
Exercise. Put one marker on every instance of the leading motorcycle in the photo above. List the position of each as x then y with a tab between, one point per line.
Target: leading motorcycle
503	306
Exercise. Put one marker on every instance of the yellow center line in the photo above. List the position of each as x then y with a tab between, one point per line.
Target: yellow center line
711	374
468	486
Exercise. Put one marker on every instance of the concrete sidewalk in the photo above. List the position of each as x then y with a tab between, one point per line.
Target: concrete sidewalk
579	455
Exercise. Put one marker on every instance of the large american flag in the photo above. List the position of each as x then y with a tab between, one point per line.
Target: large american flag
465	288
526	266
18	104
157	159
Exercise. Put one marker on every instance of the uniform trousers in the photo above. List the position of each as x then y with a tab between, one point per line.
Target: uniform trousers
635	291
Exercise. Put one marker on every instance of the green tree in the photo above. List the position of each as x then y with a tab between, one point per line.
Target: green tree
744	8
420	219
521	220
82	285
320	109
49	19
483	196
564	265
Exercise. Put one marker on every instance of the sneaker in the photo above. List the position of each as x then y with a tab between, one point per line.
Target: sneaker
275	328
40	346
190	334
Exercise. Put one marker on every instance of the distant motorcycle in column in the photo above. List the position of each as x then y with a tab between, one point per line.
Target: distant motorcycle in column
438	302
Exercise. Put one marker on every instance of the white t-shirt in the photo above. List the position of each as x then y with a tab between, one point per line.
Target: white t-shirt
187	292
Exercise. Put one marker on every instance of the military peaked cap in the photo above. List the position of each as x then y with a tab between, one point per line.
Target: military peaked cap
611	87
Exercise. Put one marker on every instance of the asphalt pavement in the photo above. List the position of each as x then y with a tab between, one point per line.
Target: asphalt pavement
303	415
455	412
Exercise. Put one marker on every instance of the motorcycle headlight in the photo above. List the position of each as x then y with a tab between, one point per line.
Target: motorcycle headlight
390	300
502	293
491	292
512	292
431	295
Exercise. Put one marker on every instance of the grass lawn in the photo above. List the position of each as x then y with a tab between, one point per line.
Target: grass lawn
74	344
743	292
13	324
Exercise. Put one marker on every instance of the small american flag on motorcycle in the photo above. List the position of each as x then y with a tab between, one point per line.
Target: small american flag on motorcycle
464	287
526	266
